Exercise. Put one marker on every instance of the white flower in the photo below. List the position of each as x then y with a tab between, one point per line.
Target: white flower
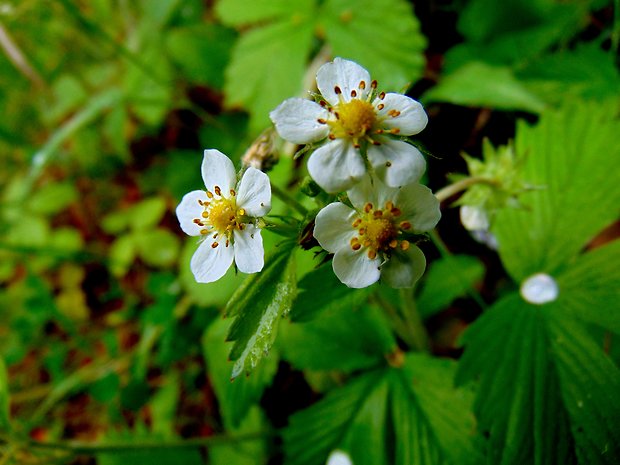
338	457
371	240
540	288
225	217
353	113
474	218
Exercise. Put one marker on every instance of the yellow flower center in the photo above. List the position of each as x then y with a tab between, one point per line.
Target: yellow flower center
220	216
354	119
379	230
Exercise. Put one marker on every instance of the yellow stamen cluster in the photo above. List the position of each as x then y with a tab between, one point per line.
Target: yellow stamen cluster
220	216
357	119
380	230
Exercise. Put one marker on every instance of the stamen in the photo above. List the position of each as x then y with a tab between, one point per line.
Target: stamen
241	212
337	90
322	103
396	211
393	243
232	192
395	130
380	107
356	246
374	84
378	214
362	231
218	191
394	113
227	242
205	214
209	194
388	164
200	202
321	121
382	95
405	225
353	93
389	205
362	85
379	131
356	223
368	207
372	254
204	231
404	245
331	137
214	245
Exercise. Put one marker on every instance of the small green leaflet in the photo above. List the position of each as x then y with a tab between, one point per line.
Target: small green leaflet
259	304
390	415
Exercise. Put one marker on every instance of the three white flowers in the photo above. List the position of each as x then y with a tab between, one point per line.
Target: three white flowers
359	152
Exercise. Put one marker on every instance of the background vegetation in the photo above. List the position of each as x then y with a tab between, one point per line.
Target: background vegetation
110	353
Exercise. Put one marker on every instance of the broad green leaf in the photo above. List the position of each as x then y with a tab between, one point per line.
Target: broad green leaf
483	85
333	295
241	12
517	404
235	398
384	37
447	279
202	51
5	423
163	407
259	304
589	287
145	455
430	416
147	213
400	415
570	157
52	198
69	94
122	253
341	339
589	385
65	240
268	64
159	11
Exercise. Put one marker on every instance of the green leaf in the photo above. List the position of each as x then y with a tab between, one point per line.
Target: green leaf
395	57
158	247
241	12
122	254
517	404
235	398
482	85
447	279
247	452
201	51
570	156
334	295
590	284
5	423
147	213
52	198
344	339
590	383
258	305
268	64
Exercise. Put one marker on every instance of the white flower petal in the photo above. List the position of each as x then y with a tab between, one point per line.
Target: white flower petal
419	206
218	170
411	118
354	268
249	251
396	163
336	166
188	210
254	194
404	268
211	263
344	74
338	457
474	218
333	226
540	288
296	121
371	190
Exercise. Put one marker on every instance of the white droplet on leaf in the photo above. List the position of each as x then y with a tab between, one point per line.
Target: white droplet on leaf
540	288
338	457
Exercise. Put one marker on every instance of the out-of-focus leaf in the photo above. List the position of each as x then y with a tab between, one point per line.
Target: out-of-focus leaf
333	295
31	233
158	247
163	407
241	12
248	452
202	51
122	254
482	85
268	63
69	94
569	157
52	198
341	339
145	456
5	423
159	11
259	304
396	57
66	240
147	213
447	279
235	398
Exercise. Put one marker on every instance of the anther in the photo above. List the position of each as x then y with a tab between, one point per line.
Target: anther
356	246
379	131
396	211
405	225
356	145
241	212
214	245
404	245
209	194
353	93
368	207
200	202
388	164
372	254
356	223
337	90
366	243
362	85
394	113
205	214
380	107
382	95
362	231
393	243
395	130
227	242
373	84
218	191
204	231
376	142
389	205
321	121
232	192
378	214
331	137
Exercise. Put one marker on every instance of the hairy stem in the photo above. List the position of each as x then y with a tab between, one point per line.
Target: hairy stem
287	199
454	188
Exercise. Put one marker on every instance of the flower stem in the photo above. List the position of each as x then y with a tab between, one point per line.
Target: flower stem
397	323
415	325
454	188
287	199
